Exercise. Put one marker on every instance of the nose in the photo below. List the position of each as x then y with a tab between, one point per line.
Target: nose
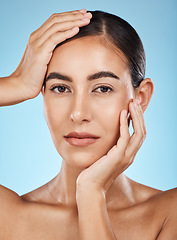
80	111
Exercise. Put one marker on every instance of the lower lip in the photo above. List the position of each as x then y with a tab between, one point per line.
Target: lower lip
81	142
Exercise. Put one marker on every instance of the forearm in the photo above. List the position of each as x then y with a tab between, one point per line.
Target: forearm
11	91
94	222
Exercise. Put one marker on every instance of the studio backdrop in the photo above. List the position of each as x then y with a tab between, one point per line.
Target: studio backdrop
28	158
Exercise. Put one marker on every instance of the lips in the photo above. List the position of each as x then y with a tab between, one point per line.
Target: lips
81	139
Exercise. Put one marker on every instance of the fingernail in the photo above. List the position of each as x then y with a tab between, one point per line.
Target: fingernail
137	101
125	113
85	19
75	28
82	10
88	14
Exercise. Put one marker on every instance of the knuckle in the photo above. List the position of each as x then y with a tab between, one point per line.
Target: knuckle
144	136
140	133
53	38
73	21
145	133
53	15
140	142
54	19
127	136
56	38
80	15
141	139
30	45
64	35
131	161
32	37
54	25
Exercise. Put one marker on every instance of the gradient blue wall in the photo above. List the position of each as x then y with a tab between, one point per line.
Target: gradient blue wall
28	158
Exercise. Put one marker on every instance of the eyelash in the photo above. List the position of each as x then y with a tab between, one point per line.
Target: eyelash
102	86
57	87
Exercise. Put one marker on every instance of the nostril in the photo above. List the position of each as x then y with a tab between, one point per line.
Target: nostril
80	112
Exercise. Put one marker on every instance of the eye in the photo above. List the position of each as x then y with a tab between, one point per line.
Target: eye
103	89
59	89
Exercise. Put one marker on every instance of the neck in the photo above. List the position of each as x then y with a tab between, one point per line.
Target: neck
63	188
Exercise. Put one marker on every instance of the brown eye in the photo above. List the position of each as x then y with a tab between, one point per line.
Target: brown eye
103	89
59	89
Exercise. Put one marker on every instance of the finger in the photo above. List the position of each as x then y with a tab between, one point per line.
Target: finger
117	152
61	17
138	136
75	11
106	169
58	17
124	132
141	116
60	27
56	38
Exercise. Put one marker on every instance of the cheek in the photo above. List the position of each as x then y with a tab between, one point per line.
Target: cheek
54	113
109	116
110	109
109	120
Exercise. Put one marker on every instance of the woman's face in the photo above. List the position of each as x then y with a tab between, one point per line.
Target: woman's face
88	84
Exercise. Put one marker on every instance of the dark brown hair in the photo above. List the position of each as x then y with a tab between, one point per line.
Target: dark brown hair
123	36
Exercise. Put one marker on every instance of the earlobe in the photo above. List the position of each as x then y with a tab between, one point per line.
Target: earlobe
144	92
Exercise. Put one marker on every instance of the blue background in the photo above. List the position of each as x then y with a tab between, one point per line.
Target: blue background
28	158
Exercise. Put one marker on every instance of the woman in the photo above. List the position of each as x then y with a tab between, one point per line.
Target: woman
94	66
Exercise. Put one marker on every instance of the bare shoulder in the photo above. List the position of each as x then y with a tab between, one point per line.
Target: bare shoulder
156	208
10	205
27	217
142	192
165	204
8	197
167	200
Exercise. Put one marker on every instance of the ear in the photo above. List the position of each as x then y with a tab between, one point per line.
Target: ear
144	92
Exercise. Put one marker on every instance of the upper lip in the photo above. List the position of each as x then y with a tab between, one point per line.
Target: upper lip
80	135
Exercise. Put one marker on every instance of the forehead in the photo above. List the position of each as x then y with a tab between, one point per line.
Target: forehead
88	54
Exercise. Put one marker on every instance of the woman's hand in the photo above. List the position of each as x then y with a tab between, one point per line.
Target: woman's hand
103	172
32	69
92	183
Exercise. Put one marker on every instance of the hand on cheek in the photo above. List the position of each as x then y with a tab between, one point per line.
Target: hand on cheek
103	172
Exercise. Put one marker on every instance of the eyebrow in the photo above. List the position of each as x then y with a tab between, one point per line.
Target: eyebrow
101	74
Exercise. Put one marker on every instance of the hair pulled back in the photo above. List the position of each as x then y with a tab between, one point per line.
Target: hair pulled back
122	35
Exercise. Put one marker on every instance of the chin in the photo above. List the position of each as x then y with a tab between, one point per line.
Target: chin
81	159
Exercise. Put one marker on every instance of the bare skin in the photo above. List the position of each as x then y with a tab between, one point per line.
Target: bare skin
32	216
90	199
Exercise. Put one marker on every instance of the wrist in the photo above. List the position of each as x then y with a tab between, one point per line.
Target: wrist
89	194
24	92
